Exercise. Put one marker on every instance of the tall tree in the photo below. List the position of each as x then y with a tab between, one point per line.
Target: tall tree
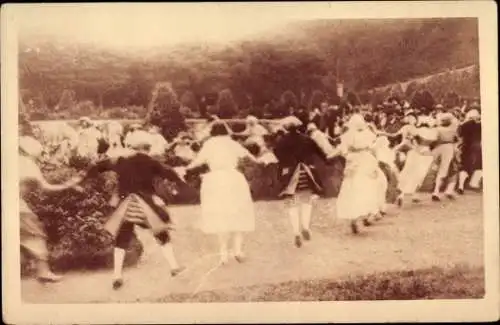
226	105
288	101
164	111
317	98
67	101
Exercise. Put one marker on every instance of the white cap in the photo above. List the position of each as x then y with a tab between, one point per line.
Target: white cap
472	114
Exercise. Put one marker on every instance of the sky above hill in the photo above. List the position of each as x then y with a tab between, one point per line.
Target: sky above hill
130	26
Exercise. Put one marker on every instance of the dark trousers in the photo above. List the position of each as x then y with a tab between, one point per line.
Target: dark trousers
126	233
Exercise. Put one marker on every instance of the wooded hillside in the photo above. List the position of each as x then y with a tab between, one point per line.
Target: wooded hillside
77	79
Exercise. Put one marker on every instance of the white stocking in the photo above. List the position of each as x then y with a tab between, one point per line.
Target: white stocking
168	252
238	244
293	212
223	242
462	178
119	258
306	215
476	179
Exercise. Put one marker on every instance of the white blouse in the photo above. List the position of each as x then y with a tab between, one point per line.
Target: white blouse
220	153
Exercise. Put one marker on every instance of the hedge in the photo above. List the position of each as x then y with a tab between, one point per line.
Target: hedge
74	224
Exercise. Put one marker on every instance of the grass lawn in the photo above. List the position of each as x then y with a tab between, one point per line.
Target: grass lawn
460	282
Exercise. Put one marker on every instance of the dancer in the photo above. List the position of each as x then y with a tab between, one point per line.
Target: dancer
387	163
33	236
418	161
471	157
296	154
158	143
226	201
360	194
136	202
444	153
88	139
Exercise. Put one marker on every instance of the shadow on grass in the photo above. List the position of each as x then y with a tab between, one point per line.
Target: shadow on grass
459	282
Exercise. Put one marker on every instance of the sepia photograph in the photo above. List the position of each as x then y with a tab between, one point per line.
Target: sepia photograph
212	154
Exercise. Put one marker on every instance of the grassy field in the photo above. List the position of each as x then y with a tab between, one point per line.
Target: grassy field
460	282
423	251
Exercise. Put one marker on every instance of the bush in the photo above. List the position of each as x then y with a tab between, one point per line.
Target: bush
74	223
164	111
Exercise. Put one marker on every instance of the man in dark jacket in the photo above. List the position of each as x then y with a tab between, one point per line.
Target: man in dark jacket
136	202
297	155
471	151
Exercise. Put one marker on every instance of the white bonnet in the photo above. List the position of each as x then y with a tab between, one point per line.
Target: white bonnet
357	122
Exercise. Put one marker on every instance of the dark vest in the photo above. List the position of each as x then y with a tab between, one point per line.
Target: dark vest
297	155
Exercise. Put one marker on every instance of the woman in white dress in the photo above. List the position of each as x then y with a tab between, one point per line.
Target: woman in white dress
418	161
88	139
33	236
360	194
226	201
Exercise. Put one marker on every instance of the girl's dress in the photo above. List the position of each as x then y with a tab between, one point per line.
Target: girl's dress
418	161
226	201
364	183
33	236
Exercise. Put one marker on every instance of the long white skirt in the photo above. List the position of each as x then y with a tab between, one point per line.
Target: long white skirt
415	170
362	191
226	203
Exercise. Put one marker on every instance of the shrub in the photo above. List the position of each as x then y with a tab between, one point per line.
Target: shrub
74	223
226	106
164	111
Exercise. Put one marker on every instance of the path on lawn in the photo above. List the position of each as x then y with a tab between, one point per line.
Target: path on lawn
418	236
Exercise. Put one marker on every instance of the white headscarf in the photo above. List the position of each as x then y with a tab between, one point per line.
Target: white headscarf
357	122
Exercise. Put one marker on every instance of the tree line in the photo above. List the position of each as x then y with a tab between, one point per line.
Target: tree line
265	76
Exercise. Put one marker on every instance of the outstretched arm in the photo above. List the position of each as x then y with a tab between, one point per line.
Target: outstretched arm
170	174
72	183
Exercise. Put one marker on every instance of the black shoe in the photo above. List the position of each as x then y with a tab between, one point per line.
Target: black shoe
306	234
399	202
354	227
450	197
176	271
117	284
436	198
460	191
298	242
366	222
239	258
